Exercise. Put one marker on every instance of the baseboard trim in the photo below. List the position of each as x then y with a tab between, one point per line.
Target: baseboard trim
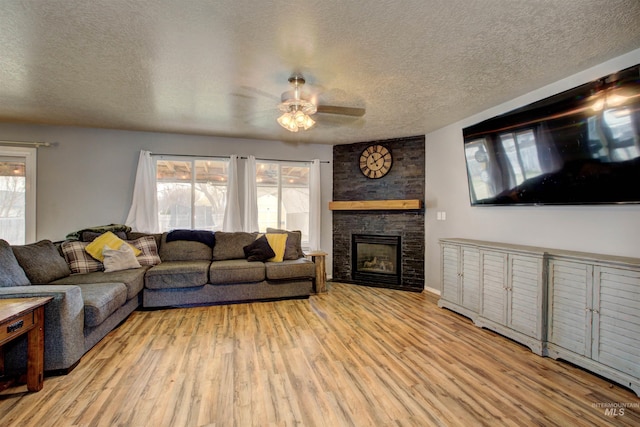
432	290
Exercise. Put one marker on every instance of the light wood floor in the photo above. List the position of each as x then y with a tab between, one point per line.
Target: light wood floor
357	356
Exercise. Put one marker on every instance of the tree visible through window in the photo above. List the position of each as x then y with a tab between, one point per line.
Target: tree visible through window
17	195
191	193
283	196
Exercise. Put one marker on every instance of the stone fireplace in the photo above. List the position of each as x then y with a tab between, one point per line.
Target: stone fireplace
379	246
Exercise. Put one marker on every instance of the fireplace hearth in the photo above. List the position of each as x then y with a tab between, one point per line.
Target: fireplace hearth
376	259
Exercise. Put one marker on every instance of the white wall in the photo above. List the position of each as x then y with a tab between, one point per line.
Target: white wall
607	229
86	178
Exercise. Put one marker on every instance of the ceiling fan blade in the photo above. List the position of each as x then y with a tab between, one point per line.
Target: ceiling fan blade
249	91
345	111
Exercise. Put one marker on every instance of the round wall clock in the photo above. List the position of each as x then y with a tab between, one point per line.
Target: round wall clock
375	161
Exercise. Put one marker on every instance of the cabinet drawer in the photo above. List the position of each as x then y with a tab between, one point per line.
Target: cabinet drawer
15	327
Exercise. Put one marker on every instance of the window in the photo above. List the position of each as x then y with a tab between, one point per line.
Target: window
18	195
191	192
283	196
477	164
611	136
522	153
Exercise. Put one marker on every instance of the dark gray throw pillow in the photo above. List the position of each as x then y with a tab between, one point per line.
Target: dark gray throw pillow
293	249
259	250
11	274
41	262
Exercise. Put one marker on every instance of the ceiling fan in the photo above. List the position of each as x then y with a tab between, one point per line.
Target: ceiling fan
297	107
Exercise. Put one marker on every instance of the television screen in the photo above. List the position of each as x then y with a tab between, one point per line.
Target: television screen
581	146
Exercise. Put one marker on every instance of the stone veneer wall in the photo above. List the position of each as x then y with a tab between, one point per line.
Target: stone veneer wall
405	180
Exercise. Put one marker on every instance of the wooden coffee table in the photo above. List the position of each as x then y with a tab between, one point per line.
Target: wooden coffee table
17	317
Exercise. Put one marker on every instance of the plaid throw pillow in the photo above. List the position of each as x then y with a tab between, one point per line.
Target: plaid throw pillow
148	248
78	259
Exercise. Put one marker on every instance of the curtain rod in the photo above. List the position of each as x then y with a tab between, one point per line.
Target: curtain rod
281	160
226	157
36	144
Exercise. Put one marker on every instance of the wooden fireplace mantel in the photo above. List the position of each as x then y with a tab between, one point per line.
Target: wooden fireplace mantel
370	205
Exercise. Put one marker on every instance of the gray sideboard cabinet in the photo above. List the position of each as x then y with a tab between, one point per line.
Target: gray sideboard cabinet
580	307
594	314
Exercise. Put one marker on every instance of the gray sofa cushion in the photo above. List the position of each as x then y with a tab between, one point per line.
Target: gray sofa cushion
294	269
11	274
41	261
293	250
101	300
177	274
183	250
229	245
236	271
133	279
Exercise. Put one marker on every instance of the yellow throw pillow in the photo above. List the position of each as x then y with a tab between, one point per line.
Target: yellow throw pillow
107	239
278	243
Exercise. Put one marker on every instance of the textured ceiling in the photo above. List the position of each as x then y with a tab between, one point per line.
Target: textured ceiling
219	67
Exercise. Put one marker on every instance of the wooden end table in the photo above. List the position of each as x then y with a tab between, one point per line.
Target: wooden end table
320	283
17	317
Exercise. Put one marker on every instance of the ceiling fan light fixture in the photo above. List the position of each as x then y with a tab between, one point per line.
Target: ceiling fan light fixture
288	121
308	123
296	111
295	120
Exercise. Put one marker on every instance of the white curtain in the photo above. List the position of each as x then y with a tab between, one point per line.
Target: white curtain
250	196
232	221
143	215
314	205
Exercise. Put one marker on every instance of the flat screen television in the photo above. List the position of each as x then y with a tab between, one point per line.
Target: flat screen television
581	146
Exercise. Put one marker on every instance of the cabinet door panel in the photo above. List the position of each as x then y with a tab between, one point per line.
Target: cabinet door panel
525	293
617	338
471	278
570	318
450	276
494	300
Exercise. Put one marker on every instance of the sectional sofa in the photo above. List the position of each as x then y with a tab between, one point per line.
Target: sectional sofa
181	268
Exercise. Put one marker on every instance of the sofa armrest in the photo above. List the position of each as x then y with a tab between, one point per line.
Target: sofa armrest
63	327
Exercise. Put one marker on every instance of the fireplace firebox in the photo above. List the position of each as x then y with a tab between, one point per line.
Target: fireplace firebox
376	259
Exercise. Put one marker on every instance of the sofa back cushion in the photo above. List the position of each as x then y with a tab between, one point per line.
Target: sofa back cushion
41	262
183	250
230	245
11	274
